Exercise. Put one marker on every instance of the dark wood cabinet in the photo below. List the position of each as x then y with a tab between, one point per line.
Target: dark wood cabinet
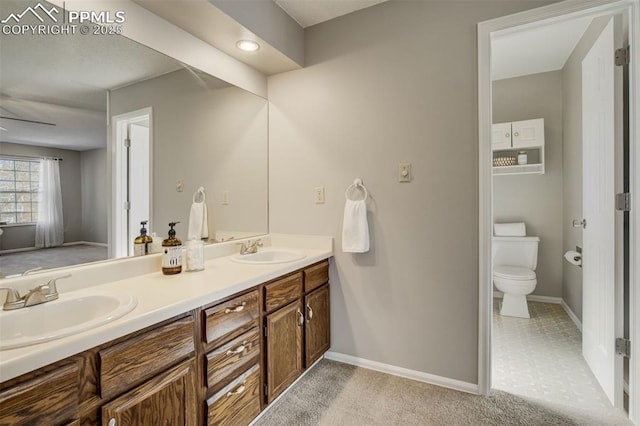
317	325
167	399
219	364
284	330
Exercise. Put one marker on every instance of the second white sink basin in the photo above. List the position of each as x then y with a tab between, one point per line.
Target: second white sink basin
267	257
60	318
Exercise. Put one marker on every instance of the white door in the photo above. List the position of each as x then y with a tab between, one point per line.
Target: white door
139	180
599	238
501	136
528	133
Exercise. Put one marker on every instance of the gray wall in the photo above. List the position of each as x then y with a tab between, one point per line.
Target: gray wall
392	83
572	188
215	138
15	237
535	199
95	196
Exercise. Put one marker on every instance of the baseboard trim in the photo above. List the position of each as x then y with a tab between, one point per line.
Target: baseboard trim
404	372
572	315
533	298
86	243
268	407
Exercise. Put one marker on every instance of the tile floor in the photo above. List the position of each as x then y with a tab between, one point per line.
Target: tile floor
541	358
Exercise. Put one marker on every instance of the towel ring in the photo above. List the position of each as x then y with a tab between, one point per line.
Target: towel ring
356	184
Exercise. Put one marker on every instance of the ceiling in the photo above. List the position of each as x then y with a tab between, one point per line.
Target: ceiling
311	12
532	51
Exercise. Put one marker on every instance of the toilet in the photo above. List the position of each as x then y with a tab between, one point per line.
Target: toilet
514	264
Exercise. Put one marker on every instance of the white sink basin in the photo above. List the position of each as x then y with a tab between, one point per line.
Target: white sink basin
267	257
60	318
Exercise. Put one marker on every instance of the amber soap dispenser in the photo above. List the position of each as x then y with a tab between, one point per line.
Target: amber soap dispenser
172	253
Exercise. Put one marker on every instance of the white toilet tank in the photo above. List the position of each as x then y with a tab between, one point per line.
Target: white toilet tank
516	251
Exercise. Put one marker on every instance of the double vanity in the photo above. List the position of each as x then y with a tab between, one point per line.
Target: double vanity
209	347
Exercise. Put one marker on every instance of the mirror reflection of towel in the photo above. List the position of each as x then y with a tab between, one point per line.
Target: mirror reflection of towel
198	228
355	228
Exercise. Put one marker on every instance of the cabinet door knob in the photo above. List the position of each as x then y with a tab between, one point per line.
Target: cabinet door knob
300	318
238	390
310	315
237	350
238	308
506	135
516	134
112	422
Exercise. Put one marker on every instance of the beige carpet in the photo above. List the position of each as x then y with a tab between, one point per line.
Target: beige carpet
333	393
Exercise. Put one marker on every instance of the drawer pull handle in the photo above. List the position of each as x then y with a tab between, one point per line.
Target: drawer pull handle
238	390
238	350
300	318
310	316
112	422
238	308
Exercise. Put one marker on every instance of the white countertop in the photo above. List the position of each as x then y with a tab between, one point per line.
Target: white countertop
161	297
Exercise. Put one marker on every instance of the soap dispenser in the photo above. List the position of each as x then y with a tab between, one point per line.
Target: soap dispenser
142	241
172	253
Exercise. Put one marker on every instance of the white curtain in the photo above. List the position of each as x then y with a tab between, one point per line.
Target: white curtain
49	228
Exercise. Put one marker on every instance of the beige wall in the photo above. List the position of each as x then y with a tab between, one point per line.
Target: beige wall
392	83
216	138
535	199
572	189
95	201
15	237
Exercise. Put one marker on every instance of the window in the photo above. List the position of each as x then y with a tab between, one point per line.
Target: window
19	190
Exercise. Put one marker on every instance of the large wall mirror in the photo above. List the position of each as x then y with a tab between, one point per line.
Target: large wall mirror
136	134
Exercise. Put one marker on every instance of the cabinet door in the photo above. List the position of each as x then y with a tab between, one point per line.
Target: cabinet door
317	328
528	133
501	136
284	348
167	399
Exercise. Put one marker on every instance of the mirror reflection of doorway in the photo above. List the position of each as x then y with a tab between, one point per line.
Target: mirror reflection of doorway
132	178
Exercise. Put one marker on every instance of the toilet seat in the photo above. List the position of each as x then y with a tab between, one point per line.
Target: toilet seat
516	273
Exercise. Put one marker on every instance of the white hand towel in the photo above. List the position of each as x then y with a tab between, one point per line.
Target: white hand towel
510	229
198	227
355	229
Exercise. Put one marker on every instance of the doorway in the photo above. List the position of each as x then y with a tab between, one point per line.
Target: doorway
132	177
488	31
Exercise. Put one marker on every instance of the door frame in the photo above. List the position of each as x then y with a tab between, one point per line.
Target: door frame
119	124
529	19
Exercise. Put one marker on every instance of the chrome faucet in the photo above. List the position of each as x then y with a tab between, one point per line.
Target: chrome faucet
250	247
41	294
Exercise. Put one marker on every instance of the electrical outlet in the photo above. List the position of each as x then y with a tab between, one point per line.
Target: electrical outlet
180	185
404	172
225	198
319	195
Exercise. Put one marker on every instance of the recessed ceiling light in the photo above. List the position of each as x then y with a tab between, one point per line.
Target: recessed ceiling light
248	45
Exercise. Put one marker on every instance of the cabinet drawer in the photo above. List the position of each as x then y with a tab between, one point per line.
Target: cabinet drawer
282	292
129	363
238	403
315	276
233	357
232	318
50	399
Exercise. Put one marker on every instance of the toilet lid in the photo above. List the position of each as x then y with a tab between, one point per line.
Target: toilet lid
514	272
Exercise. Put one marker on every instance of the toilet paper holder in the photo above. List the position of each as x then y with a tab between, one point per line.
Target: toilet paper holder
574	257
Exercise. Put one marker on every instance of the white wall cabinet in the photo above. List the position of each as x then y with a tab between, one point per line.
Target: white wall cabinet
507	139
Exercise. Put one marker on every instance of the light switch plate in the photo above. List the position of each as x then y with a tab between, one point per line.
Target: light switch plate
225	198
404	172
180	185
319	195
